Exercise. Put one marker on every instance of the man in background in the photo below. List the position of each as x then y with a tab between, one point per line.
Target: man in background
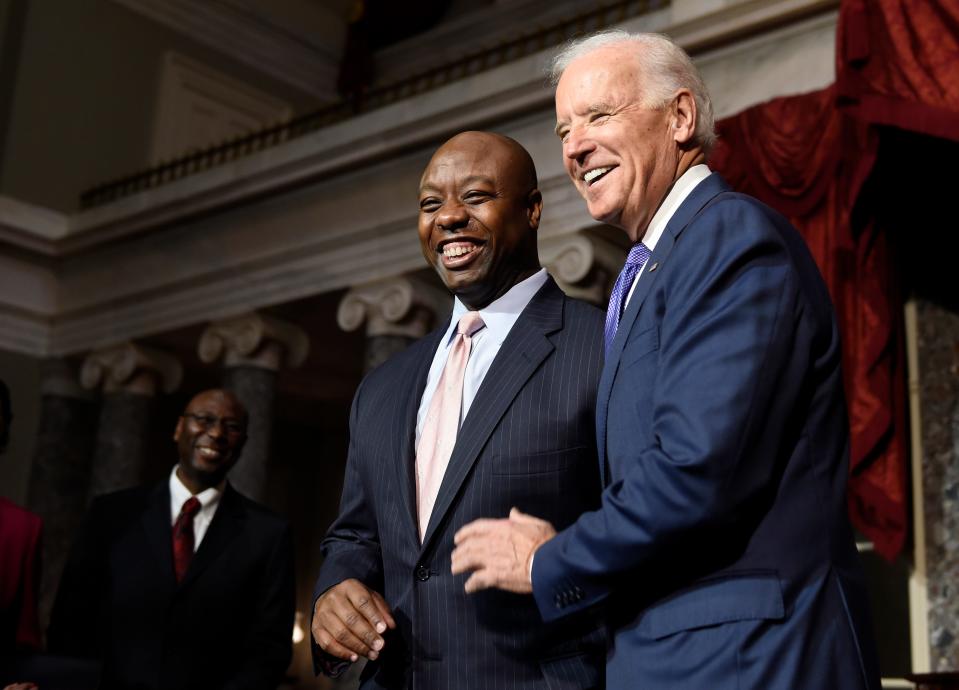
186	584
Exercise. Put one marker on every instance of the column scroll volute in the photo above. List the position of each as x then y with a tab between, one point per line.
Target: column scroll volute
133	368
401	306
584	264
254	340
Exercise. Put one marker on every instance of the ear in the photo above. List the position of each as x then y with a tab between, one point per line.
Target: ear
683	116
178	429
534	208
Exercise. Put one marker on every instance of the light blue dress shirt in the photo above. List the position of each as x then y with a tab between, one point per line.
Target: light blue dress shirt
499	317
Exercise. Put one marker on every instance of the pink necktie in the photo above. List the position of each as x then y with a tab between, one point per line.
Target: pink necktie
443	420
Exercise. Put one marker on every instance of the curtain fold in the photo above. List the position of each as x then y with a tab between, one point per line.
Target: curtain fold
897	63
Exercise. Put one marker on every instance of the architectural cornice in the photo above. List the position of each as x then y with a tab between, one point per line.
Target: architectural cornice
328	210
23	332
496	95
341	148
235	28
697	30
30	227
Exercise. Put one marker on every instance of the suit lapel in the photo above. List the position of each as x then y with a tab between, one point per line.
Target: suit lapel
410	393
704	192
226	525
519	357
157	523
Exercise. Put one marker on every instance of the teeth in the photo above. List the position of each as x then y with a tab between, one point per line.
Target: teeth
453	250
595	173
207	452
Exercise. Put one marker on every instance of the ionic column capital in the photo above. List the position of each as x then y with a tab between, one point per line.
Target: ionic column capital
131	368
254	340
583	263
403	306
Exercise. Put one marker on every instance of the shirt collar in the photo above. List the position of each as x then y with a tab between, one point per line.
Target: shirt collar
500	314
179	494
681	189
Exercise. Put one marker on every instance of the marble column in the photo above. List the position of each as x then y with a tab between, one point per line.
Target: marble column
253	347
60	473
396	312
129	376
584	264
934	387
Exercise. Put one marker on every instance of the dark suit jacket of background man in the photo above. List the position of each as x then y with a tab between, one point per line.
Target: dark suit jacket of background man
723	549
227	625
528	440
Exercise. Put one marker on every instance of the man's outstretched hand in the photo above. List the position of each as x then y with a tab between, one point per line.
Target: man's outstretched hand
349	620
498	553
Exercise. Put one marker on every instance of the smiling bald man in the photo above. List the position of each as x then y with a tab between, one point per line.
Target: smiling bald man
516	367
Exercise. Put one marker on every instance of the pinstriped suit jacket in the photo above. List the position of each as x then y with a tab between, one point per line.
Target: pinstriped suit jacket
528	440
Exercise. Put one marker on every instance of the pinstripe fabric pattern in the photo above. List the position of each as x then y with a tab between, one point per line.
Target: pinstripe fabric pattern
527	441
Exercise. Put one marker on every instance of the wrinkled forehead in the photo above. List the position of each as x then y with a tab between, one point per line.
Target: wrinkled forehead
610	72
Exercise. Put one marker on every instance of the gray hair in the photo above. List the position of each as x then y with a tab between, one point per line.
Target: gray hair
665	68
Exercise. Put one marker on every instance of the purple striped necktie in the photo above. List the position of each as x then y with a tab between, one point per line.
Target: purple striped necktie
634	262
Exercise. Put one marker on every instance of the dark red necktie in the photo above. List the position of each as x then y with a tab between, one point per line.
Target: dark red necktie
183	537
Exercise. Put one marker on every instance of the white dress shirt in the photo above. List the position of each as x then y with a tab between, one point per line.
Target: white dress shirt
499	317
682	188
209	501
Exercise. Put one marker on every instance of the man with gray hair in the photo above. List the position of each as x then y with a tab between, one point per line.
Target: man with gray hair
722	551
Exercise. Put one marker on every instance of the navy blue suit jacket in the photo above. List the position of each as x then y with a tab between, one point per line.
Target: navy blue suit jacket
528	441
227	625
722	547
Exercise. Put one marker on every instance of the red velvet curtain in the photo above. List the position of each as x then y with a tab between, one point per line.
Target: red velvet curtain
809	156
897	63
804	157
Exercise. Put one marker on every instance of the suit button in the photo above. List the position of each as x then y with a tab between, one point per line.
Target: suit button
422	573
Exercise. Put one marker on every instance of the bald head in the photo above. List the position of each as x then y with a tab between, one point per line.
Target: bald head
516	165
479	212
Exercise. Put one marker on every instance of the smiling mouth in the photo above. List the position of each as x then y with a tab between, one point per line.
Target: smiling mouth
455	249
208	453
591	176
458	253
